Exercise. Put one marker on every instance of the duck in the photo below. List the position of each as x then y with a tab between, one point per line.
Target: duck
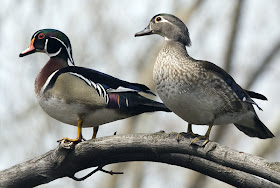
199	91
81	96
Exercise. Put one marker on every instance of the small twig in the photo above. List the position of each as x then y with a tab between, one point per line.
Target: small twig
263	65
109	172
235	27
99	168
85	177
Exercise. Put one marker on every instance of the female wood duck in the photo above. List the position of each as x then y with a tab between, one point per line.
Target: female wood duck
199	91
80	96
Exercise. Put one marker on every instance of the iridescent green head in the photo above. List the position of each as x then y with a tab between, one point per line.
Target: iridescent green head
52	42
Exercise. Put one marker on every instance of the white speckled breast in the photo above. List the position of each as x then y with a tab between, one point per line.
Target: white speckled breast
197	96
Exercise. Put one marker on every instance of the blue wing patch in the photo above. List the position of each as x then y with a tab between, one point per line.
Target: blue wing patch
242	94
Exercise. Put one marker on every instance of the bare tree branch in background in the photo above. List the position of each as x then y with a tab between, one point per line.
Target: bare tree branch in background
237	15
263	65
262	151
217	161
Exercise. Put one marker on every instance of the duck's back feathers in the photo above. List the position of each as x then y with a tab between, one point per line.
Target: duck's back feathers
108	82
242	94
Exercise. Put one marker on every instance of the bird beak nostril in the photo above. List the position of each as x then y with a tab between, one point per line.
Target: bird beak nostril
31	49
146	31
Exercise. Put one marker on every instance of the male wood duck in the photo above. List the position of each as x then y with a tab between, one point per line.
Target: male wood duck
80	96
199	91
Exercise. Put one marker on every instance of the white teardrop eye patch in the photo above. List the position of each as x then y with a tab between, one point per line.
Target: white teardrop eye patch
160	19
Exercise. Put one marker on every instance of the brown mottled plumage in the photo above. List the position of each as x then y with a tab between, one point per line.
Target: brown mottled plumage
199	91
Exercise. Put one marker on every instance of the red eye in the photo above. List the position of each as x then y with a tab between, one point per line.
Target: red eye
41	36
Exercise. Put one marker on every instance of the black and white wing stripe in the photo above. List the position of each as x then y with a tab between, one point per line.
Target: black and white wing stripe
102	83
110	83
101	91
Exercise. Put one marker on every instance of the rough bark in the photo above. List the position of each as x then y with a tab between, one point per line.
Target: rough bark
220	162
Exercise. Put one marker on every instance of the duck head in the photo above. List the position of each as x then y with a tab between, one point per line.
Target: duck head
168	26
52	42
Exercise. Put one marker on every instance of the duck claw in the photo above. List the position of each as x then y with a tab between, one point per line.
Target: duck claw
76	140
200	141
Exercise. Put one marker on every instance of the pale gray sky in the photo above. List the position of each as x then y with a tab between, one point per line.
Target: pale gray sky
102	37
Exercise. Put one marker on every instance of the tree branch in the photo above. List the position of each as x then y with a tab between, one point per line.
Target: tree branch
263	65
220	162
100	168
236	18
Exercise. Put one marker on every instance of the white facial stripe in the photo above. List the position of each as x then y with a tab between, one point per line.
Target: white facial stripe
46	50
55	54
60	41
67	49
36	33
46	44
163	20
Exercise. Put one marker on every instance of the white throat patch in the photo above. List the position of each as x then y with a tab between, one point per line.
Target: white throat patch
55	54
50	54
67	49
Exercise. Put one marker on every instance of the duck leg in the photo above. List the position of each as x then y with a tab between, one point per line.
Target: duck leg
179	135
79	133
190	130
95	130
205	137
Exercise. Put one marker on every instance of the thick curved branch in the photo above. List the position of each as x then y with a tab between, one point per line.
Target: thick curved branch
220	162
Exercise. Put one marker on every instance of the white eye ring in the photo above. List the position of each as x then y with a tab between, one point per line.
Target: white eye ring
158	19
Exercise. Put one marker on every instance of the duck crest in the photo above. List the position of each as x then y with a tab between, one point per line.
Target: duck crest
51	66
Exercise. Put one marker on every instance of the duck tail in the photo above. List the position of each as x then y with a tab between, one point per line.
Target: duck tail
255	128
134	103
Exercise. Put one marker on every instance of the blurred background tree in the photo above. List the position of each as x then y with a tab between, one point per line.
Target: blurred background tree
243	37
